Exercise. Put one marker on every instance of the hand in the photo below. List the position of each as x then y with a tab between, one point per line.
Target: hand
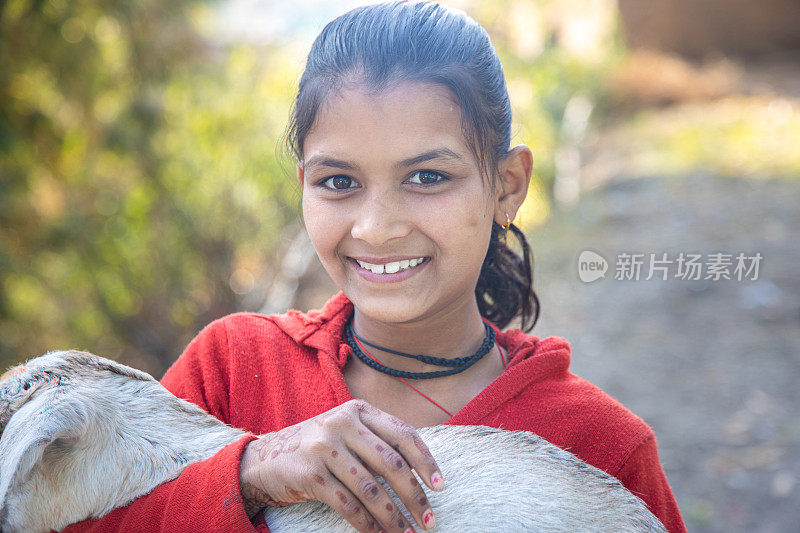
333	458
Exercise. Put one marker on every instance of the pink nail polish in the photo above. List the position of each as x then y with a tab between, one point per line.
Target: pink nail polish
437	481
427	517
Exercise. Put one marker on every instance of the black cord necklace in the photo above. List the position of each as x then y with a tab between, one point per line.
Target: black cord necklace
459	364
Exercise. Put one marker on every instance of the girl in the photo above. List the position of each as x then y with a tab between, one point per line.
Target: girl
401	129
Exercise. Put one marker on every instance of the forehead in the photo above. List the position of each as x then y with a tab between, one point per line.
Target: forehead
392	123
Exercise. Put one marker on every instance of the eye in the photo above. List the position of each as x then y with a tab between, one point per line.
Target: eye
338	183
427	177
26	385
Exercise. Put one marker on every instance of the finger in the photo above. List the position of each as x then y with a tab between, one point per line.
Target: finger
335	494
349	470
406	440
398	474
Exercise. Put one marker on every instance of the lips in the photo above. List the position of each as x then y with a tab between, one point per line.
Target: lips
389	269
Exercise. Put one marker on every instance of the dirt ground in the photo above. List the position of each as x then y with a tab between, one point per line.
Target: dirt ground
712	366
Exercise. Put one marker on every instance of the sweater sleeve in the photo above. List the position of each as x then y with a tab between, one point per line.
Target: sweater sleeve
643	475
206	496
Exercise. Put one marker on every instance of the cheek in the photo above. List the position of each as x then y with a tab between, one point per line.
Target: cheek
464	228
477	214
321	226
479	220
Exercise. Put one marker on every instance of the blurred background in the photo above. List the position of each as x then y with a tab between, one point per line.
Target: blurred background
144	193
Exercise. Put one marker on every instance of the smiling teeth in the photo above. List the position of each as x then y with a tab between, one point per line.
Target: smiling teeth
391	268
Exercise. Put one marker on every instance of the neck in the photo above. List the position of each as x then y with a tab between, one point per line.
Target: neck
457	333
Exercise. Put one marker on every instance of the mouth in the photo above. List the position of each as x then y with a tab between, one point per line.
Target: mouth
390	265
390	269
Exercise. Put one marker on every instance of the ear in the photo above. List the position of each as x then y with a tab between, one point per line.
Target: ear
514	179
300	175
34	427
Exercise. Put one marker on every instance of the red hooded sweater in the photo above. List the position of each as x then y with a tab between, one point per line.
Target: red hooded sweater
264	373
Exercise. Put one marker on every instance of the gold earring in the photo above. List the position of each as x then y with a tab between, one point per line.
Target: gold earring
508	222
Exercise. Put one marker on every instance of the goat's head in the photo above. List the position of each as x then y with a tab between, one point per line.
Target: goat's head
41	405
53	373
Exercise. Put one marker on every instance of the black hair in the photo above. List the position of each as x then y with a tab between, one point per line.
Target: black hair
383	45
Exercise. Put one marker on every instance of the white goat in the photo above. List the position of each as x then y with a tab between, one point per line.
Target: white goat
81	435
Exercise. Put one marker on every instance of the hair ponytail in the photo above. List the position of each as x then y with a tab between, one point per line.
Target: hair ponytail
505	286
384	44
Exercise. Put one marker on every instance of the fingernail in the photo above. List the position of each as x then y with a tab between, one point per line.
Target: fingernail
427	517
437	481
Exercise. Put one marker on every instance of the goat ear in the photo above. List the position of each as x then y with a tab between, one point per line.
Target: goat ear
30	431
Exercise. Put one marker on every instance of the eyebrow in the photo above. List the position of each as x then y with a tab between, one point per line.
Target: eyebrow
325	161
438	153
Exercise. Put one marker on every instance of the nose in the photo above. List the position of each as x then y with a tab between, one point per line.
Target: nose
379	218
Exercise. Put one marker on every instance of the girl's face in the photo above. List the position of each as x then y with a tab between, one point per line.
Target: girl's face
394	202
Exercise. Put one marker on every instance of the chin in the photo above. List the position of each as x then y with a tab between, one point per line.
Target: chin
395	308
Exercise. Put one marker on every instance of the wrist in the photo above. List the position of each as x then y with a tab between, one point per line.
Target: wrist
249	484
254	497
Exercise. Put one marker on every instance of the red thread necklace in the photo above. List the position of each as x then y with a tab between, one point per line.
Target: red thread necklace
356	339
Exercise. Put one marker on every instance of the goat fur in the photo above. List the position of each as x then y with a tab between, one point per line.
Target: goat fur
81	435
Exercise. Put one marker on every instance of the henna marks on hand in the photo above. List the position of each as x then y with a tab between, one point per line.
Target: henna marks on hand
253	499
298	495
279	443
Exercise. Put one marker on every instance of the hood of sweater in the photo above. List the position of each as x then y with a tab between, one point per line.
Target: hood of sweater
530	359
